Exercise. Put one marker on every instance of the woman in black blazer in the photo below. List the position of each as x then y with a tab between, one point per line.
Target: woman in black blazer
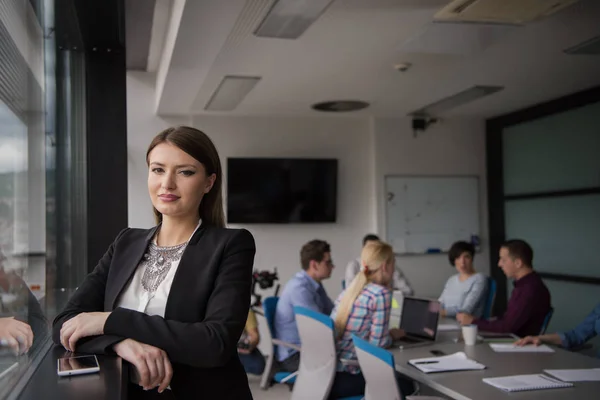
171	300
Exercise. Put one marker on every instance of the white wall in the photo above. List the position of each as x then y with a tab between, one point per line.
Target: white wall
142	126
367	150
454	147
347	139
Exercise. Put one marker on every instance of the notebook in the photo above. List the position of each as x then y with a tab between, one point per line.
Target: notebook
511	348
453	362
575	375
492	337
520	383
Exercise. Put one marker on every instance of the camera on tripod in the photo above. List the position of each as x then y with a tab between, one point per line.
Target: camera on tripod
265	280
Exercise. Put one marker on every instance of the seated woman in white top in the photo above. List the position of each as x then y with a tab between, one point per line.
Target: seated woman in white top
466	291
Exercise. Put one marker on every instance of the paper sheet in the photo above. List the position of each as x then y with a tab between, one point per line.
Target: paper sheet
575	375
453	362
511	348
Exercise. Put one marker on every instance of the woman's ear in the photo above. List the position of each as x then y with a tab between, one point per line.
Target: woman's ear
384	267
210	181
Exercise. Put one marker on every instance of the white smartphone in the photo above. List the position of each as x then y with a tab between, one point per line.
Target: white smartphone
77	365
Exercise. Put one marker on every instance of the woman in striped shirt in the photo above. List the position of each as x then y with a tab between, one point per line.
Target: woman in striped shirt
465	292
364	309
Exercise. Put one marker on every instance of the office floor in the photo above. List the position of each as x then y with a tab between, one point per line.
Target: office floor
275	392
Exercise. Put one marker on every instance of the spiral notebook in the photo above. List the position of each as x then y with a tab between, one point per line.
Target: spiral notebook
520	383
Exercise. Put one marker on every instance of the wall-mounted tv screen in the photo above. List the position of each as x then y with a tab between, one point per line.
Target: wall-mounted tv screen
281	190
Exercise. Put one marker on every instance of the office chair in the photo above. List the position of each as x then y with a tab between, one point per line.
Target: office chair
547	321
269	307
379	369
319	356
491	298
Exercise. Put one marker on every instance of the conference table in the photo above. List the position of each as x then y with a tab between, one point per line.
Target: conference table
468	385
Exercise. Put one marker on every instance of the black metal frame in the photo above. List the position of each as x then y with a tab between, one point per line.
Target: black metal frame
102	25
494	151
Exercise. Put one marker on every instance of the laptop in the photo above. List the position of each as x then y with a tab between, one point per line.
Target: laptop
419	321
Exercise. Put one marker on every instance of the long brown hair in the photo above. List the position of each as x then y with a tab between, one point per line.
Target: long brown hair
373	256
198	145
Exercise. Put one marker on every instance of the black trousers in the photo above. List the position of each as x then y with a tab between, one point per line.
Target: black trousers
290	364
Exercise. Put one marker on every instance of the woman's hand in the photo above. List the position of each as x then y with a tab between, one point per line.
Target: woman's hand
80	326
397	333
151	363
464	319
529	340
15	334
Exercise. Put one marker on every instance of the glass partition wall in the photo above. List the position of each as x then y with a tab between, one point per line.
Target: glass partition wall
544	174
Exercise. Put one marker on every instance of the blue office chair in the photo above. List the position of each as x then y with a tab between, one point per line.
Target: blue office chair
319	356
491	298
379	369
269	307
547	321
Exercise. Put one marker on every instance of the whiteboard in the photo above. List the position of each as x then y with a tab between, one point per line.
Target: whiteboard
428	214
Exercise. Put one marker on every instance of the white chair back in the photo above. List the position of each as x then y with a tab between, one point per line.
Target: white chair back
318	356
377	366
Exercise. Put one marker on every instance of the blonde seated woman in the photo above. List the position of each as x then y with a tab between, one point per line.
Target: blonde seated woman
364	309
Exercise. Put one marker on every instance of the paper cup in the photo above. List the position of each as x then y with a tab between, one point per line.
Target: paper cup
469	333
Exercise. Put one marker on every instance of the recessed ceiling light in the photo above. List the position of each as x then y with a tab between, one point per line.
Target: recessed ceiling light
230	93
340	106
288	19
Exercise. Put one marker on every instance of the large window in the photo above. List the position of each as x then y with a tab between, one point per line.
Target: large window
37	124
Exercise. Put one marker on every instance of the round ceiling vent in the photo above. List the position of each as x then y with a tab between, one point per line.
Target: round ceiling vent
340	105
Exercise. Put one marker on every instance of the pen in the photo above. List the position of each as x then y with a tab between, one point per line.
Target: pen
426	362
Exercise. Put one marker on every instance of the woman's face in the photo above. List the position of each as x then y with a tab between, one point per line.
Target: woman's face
176	181
464	263
388	271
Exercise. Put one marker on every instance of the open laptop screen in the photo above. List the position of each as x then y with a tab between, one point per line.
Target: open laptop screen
420	317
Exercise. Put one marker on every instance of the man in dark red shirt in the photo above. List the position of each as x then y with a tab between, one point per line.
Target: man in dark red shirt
530	299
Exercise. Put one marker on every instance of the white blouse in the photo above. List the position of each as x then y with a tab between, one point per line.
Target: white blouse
134	297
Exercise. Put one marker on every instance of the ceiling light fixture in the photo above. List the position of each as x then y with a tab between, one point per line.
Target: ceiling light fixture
458	99
340	106
230	92
289	19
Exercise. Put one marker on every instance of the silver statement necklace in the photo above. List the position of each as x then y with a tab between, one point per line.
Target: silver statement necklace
157	262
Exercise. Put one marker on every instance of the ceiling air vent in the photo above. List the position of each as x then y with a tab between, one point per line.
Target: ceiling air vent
514	12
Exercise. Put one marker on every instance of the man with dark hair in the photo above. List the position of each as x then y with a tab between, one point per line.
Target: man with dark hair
370	238
530	300
305	290
353	267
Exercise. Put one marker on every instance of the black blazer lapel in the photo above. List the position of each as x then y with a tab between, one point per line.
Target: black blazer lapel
190	278
129	258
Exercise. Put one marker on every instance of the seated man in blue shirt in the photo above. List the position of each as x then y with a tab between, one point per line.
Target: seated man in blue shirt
586	330
305	290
